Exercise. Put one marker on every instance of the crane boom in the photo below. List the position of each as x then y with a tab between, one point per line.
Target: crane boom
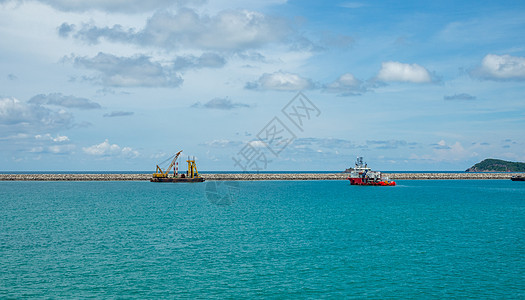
159	173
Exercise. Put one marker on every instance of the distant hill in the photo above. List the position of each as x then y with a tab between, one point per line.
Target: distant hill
497	165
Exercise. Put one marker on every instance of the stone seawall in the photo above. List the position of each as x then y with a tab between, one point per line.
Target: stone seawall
74	177
344	176
298	176
415	176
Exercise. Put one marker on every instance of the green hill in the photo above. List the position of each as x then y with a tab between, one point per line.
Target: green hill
497	165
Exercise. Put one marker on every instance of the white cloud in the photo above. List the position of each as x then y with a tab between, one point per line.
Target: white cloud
102	149
445	152
136	71
220	103
258	144
345	85
325	142
118	113
17	117
53	149
48	137
18	136
452	152
129	152
229	30
386	144
38	149
281	81
105	149
223	143
501	67
61	149
65	101
61	138
400	72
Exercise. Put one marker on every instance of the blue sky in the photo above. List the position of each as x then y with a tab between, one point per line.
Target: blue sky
122	85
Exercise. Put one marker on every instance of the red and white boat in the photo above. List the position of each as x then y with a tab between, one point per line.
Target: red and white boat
363	175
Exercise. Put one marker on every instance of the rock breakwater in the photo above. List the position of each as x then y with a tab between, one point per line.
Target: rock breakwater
74	177
266	176
431	176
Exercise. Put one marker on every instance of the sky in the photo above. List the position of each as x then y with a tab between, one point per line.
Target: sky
272	85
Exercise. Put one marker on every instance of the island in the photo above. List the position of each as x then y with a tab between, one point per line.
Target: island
497	165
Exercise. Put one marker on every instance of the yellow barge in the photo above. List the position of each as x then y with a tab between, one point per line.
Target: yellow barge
192	175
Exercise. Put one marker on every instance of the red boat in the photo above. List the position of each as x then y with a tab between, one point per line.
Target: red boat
363	175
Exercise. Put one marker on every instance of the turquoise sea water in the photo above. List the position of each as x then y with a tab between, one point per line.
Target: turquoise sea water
268	239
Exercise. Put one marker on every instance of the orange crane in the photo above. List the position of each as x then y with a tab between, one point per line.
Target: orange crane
159	173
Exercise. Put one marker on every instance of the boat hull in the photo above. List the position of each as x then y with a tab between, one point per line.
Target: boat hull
517	178
360	181
196	179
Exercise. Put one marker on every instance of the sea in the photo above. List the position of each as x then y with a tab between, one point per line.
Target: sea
422	239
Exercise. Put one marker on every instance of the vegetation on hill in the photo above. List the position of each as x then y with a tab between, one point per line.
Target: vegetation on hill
497	165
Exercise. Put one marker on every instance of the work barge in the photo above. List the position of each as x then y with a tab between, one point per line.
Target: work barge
192	175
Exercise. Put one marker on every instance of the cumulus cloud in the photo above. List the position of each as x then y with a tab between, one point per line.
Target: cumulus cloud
118	114
46	143
345	85
137	71
392	71
281	81
49	137
462	96
500	67
141	70
92	34
220	103
231	30
105	149
65	101
20	117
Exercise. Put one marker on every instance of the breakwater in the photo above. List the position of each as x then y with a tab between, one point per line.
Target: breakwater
266	176
74	177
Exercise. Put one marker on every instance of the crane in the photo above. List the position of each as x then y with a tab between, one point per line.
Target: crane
159	173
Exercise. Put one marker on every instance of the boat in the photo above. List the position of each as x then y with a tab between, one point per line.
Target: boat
361	174
192	175
518	178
